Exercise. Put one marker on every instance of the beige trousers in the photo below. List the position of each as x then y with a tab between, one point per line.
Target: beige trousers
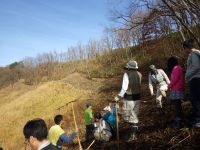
131	110
161	92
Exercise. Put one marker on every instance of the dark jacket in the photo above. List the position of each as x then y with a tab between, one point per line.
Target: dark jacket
50	147
193	66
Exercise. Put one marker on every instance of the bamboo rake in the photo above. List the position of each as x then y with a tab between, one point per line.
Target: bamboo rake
90	145
80	147
117	119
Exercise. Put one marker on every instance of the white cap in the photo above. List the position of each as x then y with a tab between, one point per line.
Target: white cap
107	108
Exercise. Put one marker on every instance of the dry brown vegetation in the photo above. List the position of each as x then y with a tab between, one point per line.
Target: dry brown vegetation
23	102
36	87
94	78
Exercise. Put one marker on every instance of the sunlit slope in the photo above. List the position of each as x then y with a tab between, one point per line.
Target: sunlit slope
22	103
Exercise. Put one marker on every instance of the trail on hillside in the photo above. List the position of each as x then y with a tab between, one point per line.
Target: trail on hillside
25	103
155	129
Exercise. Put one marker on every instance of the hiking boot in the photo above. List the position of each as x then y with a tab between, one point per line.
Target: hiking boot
133	133
132	137
194	122
160	111
195	125
177	124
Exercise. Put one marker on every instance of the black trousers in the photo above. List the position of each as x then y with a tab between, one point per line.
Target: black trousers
178	108
89	131
194	86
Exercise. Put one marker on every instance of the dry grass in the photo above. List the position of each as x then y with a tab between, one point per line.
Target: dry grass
20	104
43	100
23	102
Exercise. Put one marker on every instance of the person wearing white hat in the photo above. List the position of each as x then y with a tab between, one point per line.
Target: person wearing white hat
107	108
158	78
110	118
130	92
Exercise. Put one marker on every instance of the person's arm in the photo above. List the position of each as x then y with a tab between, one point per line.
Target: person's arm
165	76
67	139
90	115
140	78
102	125
151	85
194	67
125	83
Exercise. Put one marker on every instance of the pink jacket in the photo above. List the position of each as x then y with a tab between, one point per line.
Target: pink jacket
177	79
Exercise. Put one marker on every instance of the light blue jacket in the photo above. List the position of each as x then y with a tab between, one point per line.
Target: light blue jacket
193	66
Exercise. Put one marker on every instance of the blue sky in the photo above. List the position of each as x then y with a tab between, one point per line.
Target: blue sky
31	27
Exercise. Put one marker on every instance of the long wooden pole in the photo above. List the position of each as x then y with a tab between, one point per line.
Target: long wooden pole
117	119
80	147
87	99
90	145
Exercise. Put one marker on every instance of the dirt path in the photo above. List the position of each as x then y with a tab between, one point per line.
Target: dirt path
155	129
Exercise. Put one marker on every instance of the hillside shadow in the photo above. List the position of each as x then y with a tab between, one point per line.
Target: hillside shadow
110	86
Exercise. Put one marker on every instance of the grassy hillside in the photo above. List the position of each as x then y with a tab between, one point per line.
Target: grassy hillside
22	103
98	77
111	64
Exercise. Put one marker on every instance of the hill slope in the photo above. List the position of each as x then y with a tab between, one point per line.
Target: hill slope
22	103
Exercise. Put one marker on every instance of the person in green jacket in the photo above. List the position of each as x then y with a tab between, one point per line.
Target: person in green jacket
88	122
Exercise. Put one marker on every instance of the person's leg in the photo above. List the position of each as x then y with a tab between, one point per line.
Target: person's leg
163	89
134	112
133	119
125	110
87	133
158	98
194	86
178	114
90	131
198	98
178	108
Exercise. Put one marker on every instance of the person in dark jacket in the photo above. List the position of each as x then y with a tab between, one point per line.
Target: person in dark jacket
192	78
35	133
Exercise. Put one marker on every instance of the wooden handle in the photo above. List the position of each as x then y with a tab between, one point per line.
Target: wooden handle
117	119
80	147
90	145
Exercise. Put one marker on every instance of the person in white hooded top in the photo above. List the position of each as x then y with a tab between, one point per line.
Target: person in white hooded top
158	78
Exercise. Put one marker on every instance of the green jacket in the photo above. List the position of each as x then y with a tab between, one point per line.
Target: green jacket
88	116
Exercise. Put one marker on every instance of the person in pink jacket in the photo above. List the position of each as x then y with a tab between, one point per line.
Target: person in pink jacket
176	88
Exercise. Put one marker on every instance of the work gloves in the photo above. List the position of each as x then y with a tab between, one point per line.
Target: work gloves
117	98
152	94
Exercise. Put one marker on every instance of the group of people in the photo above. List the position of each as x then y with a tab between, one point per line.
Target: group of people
131	88
103	127
39	138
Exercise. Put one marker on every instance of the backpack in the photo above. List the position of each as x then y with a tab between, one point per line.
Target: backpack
157	78
103	131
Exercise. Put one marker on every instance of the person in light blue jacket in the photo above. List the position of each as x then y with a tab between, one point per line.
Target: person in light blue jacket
192	78
110	118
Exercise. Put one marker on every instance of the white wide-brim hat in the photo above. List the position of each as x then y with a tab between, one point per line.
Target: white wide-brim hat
131	65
